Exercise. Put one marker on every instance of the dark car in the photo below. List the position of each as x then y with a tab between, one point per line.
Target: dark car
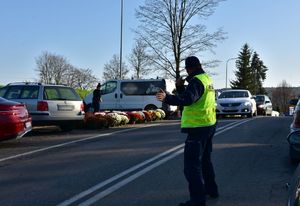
294	136
264	105
15	121
294	189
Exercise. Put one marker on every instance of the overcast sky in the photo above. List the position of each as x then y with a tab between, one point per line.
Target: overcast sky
87	33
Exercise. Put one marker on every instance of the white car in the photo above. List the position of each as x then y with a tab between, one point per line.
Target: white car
236	102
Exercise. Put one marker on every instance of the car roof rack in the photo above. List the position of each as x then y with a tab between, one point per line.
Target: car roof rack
25	83
34	83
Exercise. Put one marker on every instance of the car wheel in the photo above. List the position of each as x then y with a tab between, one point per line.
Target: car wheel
250	115
294	161
66	128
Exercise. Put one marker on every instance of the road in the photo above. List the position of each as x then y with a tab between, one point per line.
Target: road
143	165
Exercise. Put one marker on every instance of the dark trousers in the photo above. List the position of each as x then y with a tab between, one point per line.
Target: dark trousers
96	106
198	168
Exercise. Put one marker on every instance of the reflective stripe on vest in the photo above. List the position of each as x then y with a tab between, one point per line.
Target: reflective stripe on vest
202	112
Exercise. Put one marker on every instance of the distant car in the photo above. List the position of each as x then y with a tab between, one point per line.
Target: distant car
264	105
15	121
294	136
236	102
275	114
47	104
292	105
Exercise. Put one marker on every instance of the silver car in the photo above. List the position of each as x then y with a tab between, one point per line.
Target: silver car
236	102
47	104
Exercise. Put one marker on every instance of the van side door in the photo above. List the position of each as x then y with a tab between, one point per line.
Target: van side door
131	95
109	95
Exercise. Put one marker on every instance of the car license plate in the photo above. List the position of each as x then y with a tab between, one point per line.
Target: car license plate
27	124
65	107
230	108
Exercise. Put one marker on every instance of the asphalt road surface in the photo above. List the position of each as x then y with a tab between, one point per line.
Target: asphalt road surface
142	165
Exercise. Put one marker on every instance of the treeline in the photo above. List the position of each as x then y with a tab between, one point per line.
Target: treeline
56	69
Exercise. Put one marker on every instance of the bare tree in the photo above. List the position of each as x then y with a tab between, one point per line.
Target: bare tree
52	68
112	69
168	27
55	69
281	96
85	79
80	78
139	60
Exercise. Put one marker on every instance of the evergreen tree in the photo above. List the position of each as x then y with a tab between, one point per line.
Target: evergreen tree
243	72
258	73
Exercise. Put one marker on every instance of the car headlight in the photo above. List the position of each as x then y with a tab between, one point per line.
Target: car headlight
247	104
261	106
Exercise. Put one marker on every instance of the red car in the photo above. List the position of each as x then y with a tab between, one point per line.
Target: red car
15	121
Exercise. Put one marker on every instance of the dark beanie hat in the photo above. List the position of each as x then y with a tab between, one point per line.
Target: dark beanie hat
192	61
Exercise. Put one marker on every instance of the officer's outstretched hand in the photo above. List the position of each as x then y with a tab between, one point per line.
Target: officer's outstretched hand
161	95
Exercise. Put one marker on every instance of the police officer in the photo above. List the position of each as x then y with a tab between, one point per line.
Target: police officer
199	122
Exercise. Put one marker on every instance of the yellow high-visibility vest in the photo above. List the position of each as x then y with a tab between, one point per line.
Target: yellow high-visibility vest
203	112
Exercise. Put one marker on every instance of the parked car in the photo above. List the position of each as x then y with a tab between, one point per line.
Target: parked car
236	102
294	189
47	104
263	105
133	94
294	135
15	121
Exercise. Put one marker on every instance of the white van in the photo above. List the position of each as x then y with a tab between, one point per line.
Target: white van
133	94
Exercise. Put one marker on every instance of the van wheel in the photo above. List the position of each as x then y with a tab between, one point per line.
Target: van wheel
150	107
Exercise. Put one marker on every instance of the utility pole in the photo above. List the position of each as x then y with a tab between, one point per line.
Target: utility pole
121	39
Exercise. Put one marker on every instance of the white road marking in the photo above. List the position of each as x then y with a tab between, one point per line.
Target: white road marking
129	179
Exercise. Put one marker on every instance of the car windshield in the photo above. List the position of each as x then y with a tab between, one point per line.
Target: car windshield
259	98
233	94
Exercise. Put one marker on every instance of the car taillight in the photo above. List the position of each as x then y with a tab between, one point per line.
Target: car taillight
42	106
297	119
82	107
8	110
